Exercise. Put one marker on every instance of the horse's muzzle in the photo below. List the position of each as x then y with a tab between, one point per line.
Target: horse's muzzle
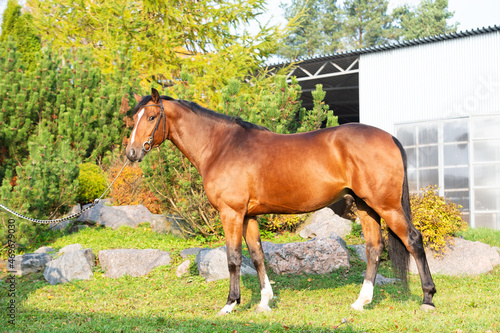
135	155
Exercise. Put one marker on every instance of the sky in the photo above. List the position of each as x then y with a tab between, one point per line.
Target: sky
471	14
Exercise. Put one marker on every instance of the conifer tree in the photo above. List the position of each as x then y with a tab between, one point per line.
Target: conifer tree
53	118
429	18
318	31
19	27
366	23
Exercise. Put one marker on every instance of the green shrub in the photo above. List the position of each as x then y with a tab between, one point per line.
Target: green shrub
92	183
437	218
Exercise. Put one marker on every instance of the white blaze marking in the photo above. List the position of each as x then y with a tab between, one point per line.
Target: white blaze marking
365	296
132	138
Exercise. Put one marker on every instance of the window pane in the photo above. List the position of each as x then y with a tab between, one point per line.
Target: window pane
487	199
412	180
411	156
487	151
427	134
428	156
406	135
456	178
491	221
457	154
485	127
459	197
455	130
429	177
487	175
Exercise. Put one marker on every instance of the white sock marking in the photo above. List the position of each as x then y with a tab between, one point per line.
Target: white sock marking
227	308
132	138
365	296
266	295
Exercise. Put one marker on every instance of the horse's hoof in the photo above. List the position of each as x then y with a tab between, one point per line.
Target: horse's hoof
428	307
358	306
228	308
263	309
223	313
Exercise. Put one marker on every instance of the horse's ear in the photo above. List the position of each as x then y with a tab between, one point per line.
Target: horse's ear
138	98
155	95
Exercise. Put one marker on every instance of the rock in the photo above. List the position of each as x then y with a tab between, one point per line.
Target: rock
169	224
360	251
269	249
317	256
132	215
75	265
70	248
29	263
116	216
323	223
45	249
212	264
188	252
183	268
159	223
64	224
463	258
132	261
381	280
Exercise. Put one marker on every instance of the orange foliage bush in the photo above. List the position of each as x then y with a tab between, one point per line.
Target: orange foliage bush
130	189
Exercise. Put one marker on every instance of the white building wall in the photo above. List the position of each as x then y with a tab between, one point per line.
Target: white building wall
447	79
416	91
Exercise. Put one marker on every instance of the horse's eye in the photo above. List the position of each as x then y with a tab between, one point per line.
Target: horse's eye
151	118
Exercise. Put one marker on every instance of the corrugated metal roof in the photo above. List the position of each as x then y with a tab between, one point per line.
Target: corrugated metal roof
395	45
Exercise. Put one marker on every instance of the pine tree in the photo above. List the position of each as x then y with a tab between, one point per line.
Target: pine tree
366	23
61	114
429	18
318	31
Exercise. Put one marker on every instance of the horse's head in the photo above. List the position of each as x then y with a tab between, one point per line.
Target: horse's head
150	128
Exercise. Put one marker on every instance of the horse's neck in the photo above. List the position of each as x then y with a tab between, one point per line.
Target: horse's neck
198	137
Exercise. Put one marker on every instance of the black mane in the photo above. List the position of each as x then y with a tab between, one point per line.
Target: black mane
204	112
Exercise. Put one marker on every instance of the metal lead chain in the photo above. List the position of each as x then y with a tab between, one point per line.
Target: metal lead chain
69	217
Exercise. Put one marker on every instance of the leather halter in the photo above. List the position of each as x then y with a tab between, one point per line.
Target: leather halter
149	142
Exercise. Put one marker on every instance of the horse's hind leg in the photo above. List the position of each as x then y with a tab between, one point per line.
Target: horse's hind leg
412	240
252	238
370	223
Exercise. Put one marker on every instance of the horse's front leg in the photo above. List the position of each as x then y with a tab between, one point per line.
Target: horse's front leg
232	223
252	237
370	223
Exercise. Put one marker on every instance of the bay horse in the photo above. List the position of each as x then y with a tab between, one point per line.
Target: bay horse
248	170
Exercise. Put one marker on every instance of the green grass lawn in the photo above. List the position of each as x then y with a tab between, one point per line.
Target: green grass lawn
161	302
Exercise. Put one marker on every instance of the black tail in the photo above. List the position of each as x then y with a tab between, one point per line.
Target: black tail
399	255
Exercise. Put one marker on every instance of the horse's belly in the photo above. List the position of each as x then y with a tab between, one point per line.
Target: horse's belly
300	197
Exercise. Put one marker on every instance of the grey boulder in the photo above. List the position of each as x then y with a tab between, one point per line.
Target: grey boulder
463	258
316	256
116	216
74	265
132	262
28	263
212	264
323	223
